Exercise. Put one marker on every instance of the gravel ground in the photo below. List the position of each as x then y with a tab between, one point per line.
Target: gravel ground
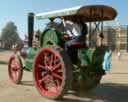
113	87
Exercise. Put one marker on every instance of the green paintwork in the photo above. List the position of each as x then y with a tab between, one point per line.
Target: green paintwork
85	56
91	59
30	58
49	37
93	56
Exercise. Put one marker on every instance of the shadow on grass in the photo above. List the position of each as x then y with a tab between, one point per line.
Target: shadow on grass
27	83
3	62
107	92
120	73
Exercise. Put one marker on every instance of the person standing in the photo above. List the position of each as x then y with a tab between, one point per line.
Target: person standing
107	60
118	55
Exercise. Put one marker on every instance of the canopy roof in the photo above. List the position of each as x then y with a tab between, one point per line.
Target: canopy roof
86	13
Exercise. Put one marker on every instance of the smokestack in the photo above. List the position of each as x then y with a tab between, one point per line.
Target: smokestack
30	28
127	39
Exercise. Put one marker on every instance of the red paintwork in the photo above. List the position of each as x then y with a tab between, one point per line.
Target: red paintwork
13	69
49	72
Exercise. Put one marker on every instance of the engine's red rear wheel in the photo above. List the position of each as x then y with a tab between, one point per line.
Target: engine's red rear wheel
52	73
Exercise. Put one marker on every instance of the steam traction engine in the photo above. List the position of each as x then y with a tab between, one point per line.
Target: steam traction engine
55	71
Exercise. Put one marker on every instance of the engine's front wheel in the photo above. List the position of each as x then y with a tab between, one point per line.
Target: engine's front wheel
52	72
15	69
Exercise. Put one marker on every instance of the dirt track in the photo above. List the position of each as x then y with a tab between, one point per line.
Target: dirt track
113	87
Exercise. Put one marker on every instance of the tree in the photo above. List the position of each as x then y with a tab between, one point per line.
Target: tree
9	35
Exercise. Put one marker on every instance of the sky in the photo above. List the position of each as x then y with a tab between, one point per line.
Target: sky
16	10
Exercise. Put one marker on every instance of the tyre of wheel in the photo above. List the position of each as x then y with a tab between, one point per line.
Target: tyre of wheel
15	69
52	73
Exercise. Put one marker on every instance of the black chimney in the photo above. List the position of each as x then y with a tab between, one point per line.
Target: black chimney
127	39
30	28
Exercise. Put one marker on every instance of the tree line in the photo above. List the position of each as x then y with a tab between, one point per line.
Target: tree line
9	35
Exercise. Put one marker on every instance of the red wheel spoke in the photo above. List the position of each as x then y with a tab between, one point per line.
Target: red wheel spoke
12	71
57	76
51	59
49	72
52	82
12	65
17	66
57	83
60	70
15	69
44	78
45	56
45	63
15	75
43	74
56	66
55	58
58	86
41	66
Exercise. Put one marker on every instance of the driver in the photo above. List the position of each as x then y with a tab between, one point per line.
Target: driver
76	30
